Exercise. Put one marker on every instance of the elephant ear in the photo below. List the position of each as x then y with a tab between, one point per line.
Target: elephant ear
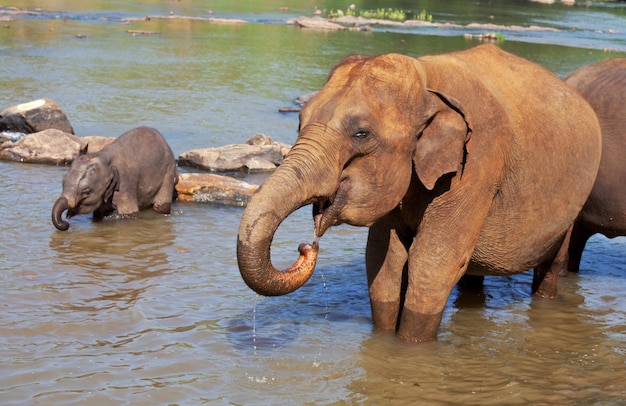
113	185
440	148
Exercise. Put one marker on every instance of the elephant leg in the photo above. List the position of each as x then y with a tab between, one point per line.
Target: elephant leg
438	257
545	281
126	204
428	289
546	275
162	202
577	242
386	257
101	212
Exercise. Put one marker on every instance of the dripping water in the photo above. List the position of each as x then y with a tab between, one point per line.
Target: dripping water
256	299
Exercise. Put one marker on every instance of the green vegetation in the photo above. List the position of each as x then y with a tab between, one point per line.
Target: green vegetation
382	14
423	16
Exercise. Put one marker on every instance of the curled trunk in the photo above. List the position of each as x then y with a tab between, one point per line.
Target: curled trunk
57	211
308	172
259	222
262	277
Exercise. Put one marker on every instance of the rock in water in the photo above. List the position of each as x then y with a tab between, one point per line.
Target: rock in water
34	116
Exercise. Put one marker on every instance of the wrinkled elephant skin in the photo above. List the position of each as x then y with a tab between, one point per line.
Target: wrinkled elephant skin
136	171
472	162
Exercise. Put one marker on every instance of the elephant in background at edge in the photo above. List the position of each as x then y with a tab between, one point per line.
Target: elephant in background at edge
471	162
134	172
603	85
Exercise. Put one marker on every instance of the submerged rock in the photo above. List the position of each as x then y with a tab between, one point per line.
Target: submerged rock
212	188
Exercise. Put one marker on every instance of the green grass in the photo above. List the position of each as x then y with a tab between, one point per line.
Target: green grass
381	14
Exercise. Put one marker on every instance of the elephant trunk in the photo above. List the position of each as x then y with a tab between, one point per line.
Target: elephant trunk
57	211
294	184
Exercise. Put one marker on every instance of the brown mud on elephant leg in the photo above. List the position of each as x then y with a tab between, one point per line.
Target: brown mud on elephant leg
386	258
419	327
385	314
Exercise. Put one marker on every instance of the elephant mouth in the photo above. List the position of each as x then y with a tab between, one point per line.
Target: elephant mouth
326	212
318	213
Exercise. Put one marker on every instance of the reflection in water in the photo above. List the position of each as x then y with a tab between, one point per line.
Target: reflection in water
269	331
503	353
115	260
276	322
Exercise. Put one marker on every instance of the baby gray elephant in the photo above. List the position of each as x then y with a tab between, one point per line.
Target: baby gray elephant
134	172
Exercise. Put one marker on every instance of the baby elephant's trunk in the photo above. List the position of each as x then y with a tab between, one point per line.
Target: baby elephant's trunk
57	211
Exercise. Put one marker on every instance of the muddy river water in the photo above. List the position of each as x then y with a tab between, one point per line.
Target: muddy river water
154	311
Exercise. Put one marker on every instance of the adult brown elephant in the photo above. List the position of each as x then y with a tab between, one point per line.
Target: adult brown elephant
134	172
603	85
475	161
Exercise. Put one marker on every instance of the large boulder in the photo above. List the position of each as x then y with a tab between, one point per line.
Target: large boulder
33	117
50	146
260	153
212	188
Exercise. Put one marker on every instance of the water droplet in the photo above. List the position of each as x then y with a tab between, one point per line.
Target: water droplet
325	285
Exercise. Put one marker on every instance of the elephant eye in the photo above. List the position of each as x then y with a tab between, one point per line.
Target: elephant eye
361	134
86	191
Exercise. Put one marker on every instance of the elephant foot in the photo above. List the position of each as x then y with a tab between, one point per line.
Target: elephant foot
163	208
419	327
385	314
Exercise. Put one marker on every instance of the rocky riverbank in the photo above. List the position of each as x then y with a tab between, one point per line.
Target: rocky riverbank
40	132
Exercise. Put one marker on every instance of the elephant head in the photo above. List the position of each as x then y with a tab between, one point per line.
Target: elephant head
361	138
89	184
